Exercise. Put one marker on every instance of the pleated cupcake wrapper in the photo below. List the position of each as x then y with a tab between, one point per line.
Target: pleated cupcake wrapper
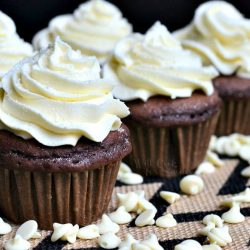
78	197
168	152
234	117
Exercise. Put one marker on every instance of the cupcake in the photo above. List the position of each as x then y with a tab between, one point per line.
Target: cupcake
93	28
173	105
12	47
61	139
220	35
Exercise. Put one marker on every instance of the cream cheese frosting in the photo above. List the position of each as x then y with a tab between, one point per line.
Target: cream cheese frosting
155	64
94	28
57	96
220	34
12	47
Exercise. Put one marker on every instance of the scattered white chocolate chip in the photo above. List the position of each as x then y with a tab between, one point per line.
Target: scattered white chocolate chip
219	144
109	240
231	147
139	246
152	242
143	205
120	216
214	159
28	230
146	218
107	225
126	176
18	243
241	197
60	230
233	215
205	168
246	172
128	200
5	228
211	247
211	221
220	236
170	197
126	244
71	234
244	152
131	179
191	184
166	221
188	245
88	232
212	142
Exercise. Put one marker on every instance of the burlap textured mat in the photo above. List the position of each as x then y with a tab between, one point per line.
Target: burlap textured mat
188	211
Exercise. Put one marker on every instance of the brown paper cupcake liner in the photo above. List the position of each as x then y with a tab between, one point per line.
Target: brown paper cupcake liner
77	197
169	151
234	117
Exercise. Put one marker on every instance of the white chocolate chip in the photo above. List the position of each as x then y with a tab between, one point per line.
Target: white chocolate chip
214	159
139	246
166	221
28	230
128	200
120	216
88	232
152	242
109	240
18	243
219	144
233	215
231	147
123	169
211	221
211	247
244	152
188	245
191	184
145	218
107	225
220	236
71	234
143	205
170	197
212	142
126	244
205	168
60	230
246	172
5	228
131	178
241	197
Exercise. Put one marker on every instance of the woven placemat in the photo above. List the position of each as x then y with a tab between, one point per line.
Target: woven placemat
188	211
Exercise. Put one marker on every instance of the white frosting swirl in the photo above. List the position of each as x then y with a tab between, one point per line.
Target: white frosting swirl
94	28
156	64
57	97
12	47
220	34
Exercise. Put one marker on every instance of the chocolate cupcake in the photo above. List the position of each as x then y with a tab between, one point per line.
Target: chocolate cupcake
220	35
173	105
12	47
61	140
93	28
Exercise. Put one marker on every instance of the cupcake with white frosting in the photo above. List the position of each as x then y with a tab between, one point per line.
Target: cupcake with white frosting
220	35
12	47
172	101
93	28
61	138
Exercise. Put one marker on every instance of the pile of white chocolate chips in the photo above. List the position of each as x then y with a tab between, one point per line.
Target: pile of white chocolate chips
134	205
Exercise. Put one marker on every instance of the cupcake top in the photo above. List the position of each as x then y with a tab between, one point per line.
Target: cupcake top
57	96
220	34
12	47
155	64
94	28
